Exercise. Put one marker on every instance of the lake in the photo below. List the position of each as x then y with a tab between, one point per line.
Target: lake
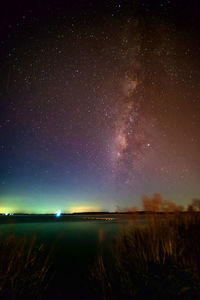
76	241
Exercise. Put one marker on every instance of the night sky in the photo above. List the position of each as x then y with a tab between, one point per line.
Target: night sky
99	104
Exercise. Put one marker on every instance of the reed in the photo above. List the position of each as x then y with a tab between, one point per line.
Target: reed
158	260
24	268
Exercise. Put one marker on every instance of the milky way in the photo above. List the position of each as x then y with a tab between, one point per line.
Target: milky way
132	131
99	104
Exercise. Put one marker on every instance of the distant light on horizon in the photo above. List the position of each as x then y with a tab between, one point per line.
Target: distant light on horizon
58	214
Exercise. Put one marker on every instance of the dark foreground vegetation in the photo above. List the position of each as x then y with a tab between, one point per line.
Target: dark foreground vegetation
24	268
159	259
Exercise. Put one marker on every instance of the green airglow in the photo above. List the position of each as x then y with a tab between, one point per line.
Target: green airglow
45	205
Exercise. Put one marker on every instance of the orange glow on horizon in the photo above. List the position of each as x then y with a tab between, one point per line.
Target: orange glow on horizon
82	209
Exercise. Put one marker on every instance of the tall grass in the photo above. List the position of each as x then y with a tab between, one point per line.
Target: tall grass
158	260
24	268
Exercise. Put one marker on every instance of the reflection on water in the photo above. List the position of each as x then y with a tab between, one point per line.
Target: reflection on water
84	230
75	241
101	234
73	233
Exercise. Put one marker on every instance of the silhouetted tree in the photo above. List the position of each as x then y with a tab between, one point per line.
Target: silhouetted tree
158	204
152	204
195	205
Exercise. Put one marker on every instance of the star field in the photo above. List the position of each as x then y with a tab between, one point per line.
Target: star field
99	104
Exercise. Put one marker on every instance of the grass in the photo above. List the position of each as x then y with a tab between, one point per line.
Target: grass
24	268
155	261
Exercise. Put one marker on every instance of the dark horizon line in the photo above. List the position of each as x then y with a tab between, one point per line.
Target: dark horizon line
97	212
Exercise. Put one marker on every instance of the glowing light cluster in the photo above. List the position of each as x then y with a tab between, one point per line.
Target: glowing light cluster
58	214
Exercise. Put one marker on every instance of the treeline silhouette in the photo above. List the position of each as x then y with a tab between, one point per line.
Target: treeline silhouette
194	206
157	203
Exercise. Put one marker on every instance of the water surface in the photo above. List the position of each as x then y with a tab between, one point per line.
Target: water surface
76	241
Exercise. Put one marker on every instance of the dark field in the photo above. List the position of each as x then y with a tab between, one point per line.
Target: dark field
124	256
